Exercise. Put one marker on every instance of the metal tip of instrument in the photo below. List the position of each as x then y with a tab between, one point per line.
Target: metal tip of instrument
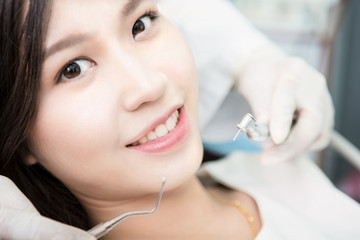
247	121
237	134
160	194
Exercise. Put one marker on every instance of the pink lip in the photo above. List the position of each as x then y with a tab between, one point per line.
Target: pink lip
172	139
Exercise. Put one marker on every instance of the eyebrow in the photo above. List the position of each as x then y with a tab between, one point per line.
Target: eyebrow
66	42
130	7
76	39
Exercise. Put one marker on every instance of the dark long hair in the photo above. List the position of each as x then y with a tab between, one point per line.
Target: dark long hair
23	31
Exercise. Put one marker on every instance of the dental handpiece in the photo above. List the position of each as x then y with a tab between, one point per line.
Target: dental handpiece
260	132
103	228
256	132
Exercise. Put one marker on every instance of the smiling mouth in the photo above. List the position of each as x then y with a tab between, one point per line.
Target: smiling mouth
160	131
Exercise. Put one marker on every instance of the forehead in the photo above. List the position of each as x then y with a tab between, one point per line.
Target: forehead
86	16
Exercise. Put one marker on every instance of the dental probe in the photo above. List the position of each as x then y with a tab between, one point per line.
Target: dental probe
256	132
103	228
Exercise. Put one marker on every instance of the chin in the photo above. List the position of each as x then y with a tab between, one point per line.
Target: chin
178	174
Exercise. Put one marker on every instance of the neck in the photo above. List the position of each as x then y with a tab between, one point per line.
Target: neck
179	211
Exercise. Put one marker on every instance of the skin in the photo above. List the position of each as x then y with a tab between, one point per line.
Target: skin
85	124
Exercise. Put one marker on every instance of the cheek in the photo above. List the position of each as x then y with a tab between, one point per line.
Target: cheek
178	62
69	133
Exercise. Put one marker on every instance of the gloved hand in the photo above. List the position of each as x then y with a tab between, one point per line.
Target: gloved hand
276	86
20	220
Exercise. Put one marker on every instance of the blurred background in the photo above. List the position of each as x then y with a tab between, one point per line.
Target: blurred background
326	33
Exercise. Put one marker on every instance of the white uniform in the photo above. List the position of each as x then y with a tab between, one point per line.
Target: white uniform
295	199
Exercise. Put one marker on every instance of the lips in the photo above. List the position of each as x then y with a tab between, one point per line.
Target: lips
166	135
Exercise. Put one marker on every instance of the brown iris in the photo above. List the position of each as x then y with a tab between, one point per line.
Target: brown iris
138	27
72	70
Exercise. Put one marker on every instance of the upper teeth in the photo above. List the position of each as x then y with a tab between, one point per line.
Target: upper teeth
160	130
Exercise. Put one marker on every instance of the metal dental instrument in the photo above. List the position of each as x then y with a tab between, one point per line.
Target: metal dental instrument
103	228
256	132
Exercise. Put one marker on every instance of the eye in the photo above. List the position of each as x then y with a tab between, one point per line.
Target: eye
74	69
143	23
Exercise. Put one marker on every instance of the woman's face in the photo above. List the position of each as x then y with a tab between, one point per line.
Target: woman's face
115	76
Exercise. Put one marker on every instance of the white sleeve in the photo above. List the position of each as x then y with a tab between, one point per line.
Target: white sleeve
221	38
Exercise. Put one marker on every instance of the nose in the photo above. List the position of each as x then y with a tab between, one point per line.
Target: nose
144	86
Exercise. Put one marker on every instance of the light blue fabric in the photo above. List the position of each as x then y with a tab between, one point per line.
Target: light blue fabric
242	143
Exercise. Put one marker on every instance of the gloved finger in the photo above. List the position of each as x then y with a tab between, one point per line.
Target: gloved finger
260	112
257	87
17	224
283	107
301	137
325	135
12	197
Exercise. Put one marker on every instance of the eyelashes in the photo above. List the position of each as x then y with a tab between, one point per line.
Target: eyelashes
144	22
74	69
